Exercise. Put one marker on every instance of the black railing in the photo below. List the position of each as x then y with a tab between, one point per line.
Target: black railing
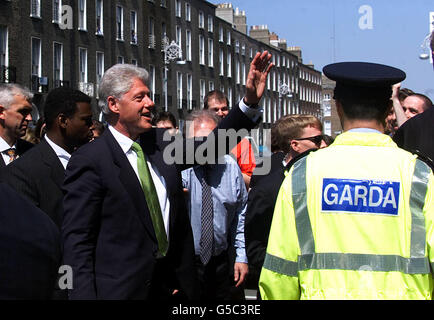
8	74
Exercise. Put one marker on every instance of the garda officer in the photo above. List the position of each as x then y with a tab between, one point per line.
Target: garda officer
354	220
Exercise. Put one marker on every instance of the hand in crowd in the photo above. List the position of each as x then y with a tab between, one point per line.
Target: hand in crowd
257	77
240	273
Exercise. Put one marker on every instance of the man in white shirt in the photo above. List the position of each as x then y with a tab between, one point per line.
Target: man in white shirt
15	115
39	174
126	232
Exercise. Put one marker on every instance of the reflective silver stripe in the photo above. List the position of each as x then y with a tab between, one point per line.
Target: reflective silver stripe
364	262
347	261
281	266
419	187
299	199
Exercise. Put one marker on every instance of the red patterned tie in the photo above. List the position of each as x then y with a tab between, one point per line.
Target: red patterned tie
12	153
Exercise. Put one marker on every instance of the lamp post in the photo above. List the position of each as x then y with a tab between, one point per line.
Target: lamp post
284	91
172	51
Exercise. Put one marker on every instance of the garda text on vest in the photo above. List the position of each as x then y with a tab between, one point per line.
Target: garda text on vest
360	196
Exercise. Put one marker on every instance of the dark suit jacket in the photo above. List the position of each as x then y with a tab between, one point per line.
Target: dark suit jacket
416	135
22	146
259	215
29	248
38	175
276	160
107	230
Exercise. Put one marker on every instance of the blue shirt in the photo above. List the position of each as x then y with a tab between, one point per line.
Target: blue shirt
229	203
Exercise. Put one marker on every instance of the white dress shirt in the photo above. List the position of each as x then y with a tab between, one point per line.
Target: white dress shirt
61	153
159	182
3	147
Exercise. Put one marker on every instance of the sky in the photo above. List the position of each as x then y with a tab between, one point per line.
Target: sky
329	31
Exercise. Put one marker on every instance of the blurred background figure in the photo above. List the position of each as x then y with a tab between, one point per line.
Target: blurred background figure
97	129
167	120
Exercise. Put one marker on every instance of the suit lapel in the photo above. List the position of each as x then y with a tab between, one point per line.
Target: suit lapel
53	163
129	180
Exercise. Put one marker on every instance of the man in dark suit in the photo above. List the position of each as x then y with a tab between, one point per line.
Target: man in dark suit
123	242
39	174
29	247
416	136
15	115
295	136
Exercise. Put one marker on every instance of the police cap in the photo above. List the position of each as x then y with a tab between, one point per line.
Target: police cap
363	80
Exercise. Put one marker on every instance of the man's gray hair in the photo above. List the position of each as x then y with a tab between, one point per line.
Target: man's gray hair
9	90
117	81
203	115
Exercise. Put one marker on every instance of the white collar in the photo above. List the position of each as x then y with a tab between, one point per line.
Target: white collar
60	152
123	140
5	146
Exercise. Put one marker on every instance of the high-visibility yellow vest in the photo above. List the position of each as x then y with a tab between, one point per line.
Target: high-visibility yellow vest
353	221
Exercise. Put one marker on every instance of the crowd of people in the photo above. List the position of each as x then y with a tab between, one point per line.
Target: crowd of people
350	217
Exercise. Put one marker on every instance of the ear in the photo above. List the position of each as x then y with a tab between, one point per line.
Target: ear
62	121
295	145
2	112
112	104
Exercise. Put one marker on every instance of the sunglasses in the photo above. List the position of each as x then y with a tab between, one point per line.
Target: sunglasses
315	139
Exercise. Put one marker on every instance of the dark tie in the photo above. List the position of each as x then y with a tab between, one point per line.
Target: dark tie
12	153
207	221
151	199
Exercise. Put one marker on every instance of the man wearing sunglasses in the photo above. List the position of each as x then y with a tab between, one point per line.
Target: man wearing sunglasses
292	137
354	220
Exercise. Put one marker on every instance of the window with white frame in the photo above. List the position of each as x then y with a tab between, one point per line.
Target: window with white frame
119	23
57	5
237	46
328	127
201	20
179	89
210	24
82	56
202	91
178	35
99	17
243	49
188	45
211	86
201	49
36	57
222	88
187	12
237	71
189	91
221	34
230	96
222	62
82	19
178	8
229	64
133	23
121	60
210	52
151	32
35	8
99	66
228	38
57	63
152	81
4	46
243	74
251	53
163	30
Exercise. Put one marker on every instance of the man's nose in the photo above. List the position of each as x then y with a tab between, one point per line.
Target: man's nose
28	117
149	103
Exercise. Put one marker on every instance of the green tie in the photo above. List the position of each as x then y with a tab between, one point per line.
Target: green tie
151	199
